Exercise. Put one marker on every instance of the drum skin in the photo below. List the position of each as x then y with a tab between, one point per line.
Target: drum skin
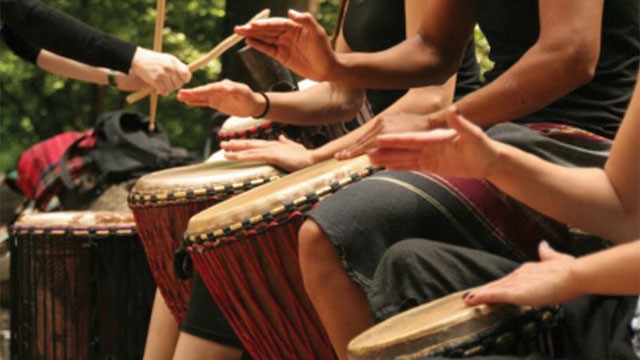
448	327
164	201
245	249
82	287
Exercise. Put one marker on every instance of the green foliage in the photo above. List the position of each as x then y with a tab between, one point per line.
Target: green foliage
35	105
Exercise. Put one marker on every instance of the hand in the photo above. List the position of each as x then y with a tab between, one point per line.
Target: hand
547	282
283	153
384	124
299	43
163	72
129	82
461	151
227	96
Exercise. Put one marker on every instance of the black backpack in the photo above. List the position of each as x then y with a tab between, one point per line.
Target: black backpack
124	149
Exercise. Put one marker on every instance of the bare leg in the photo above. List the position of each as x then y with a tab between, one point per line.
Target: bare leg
163	332
340	303
194	348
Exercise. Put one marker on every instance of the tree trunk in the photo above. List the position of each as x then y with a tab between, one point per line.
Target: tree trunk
238	12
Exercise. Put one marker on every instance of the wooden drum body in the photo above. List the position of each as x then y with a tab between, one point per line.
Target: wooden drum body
82	287
164	201
447	327
245	249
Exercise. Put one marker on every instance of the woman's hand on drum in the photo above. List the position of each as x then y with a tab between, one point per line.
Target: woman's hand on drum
547	282
227	96
384	124
283	153
463	150
299	43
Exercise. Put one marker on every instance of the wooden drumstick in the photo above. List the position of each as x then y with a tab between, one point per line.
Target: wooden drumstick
157	46
216	52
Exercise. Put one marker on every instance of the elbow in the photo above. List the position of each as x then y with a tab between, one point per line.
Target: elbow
581	64
577	61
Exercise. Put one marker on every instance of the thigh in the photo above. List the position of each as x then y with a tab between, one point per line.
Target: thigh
417	271
368	217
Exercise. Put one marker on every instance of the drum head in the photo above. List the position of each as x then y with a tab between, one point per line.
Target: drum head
78	222
202	179
430	327
237	125
316	179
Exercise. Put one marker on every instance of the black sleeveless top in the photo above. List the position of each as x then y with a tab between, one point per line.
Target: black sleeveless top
376	25
512	27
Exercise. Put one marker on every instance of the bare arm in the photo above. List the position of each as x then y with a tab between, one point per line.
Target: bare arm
605	202
563	58
72	69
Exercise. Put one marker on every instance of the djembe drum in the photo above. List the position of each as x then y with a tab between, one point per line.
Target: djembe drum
447	327
163	202
245	249
81	286
249	128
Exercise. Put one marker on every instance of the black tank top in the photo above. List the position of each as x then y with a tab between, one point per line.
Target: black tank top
376	25
512	27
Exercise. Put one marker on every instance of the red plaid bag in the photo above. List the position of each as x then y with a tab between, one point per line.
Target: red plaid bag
39	168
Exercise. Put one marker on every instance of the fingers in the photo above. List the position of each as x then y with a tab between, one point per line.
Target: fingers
285	140
241	145
547	253
400	160
487	294
415	140
263	47
306	20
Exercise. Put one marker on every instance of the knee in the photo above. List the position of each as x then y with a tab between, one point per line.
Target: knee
311	242
402	257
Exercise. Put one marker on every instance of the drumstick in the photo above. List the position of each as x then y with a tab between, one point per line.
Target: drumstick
157	46
216	52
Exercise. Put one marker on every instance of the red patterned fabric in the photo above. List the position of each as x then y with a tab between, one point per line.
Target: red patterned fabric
39	166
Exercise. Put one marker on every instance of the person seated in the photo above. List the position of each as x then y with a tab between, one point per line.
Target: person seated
38	26
374	26
600	290
562	77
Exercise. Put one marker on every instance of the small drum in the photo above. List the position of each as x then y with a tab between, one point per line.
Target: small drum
81	286
447	327
163	202
249	128
245	249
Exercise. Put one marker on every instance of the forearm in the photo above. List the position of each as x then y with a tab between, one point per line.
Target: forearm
424	100
72	69
324	103
411	63
589	200
615	271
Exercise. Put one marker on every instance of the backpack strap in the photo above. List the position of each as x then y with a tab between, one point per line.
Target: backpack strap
65	176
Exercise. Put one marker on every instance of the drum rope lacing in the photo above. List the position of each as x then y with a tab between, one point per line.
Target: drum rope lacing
76	230
216	192
259	131
274	217
535	324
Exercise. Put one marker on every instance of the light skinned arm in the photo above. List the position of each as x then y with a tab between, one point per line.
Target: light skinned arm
605	202
72	69
559	278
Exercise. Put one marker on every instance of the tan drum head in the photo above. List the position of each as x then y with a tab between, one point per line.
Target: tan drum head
76	222
427	328
314	181
239	127
200	181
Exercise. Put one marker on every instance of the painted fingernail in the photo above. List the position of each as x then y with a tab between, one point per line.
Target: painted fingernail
465	295
471	296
